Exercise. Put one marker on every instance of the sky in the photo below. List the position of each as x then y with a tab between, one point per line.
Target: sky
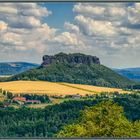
110	31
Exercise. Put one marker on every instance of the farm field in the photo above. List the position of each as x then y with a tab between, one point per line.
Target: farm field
96	89
53	88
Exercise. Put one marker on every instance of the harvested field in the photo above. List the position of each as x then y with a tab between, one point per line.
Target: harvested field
52	88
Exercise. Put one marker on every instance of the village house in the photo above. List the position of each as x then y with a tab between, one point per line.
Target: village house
77	96
33	101
20	100
6	104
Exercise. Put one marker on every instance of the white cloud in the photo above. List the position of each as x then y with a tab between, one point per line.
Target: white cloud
109	30
25	9
3	25
116	11
133	14
95	27
71	27
88	9
11	38
108	11
22	15
33	21
68	39
7	10
36	11
22	28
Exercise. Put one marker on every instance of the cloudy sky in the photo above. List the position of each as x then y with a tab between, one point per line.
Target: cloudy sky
111	31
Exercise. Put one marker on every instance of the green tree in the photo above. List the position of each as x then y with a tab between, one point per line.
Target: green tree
9	95
0	90
136	128
4	92
105	119
1	104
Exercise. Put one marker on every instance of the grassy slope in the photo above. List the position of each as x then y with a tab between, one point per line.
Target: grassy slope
76	73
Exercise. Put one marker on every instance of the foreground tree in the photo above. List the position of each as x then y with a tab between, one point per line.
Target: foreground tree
105	119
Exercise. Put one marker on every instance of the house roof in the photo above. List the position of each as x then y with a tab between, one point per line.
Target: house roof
33	101
19	99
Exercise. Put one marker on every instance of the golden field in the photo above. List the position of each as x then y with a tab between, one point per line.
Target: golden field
53	88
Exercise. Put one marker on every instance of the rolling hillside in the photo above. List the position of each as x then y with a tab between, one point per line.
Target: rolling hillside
74	68
53	88
11	68
94	74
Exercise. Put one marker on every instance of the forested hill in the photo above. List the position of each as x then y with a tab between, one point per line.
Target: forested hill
11	68
75	68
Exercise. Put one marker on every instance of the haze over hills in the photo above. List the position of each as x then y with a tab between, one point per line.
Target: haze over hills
74	68
130	73
12	68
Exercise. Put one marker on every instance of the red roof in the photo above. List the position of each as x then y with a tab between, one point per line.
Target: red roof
19	99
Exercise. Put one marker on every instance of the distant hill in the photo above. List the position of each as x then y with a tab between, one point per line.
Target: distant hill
75	68
12	68
130	73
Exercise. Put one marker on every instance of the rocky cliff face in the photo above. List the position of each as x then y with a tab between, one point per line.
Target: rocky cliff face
75	58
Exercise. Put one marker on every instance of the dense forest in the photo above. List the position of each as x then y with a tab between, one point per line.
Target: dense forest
50	121
105	119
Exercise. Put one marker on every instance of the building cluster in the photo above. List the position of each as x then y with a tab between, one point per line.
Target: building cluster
23	100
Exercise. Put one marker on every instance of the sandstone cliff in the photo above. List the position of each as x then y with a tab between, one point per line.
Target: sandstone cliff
75	58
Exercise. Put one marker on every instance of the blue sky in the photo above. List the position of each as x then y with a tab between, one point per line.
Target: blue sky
62	12
110	31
